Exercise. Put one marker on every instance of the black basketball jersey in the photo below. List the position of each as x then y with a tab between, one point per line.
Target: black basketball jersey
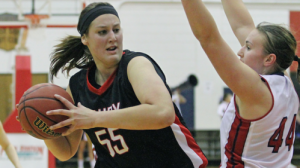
172	146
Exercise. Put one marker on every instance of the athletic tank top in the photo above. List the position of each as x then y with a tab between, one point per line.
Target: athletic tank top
266	141
172	146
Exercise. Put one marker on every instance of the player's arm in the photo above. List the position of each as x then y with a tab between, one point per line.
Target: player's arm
233	72
65	147
9	148
239	19
156	110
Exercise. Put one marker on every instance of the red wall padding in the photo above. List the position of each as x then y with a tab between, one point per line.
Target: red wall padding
295	28
23	81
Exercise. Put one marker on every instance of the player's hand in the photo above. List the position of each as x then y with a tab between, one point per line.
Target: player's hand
17	117
79	117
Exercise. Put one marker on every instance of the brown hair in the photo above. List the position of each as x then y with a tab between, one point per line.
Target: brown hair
279	41
71	53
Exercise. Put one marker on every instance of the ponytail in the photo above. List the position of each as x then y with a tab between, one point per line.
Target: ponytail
69	54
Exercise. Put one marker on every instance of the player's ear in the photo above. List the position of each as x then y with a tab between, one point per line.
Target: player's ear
84	40
270	60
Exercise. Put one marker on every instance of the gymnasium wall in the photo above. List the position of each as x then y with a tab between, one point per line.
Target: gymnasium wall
161	30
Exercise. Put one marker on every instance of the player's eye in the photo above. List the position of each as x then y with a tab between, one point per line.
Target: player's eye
116	30
102	32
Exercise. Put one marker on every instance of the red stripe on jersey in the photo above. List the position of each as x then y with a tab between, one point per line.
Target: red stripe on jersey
104	87
236	142
191	142
106	84
268	85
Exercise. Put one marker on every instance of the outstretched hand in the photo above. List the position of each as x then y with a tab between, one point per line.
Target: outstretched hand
79	117
17	117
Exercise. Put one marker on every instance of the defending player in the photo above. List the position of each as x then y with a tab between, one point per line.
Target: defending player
258	126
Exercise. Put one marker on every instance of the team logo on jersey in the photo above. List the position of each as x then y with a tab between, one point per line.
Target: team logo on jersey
41	125
112	107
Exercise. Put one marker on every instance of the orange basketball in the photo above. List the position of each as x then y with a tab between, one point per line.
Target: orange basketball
34	104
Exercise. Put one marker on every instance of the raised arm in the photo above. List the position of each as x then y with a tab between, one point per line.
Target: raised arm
242	80
9	148
239	18
201	21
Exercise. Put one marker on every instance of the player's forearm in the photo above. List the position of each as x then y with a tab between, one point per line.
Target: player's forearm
141	117
237	13
200	20
239	18
64	147
12	155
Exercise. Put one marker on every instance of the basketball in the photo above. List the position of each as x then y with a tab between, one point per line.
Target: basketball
34	104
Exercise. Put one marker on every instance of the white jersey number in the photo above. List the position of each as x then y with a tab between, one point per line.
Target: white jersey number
112	149
276	139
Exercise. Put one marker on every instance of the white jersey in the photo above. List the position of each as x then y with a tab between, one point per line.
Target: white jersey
267	141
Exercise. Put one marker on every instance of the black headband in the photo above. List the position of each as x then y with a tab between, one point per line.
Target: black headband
88	17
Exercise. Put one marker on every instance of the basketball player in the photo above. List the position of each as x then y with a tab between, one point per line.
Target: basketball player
124	103
9	148
258	126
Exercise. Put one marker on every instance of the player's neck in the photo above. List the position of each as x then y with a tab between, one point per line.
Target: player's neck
99	78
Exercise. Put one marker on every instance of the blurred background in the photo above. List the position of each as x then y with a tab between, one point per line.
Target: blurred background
29	29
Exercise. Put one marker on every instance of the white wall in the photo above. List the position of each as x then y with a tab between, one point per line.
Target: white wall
161	30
